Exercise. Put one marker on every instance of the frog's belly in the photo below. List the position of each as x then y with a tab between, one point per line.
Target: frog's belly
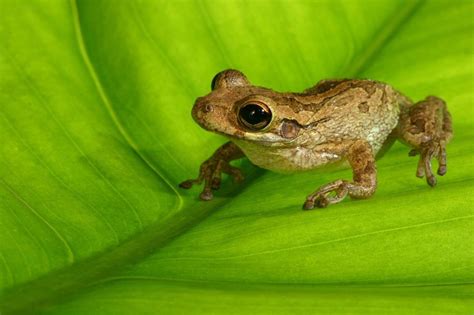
285	160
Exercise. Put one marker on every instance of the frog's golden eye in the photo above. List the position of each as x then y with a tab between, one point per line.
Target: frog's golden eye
255	116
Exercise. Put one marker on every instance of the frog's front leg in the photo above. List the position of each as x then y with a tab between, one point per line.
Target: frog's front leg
212	169
362	161
426	127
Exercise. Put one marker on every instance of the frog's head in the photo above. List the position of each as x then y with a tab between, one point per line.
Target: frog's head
239	110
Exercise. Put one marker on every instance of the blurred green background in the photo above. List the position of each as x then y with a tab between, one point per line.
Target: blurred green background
96	133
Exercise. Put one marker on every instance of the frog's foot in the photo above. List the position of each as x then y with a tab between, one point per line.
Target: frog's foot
210	173
434	148
427	128
364	182
328	194
212	169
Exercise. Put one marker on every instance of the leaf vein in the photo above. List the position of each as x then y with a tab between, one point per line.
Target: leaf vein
69	251
342	239
108	105
73	192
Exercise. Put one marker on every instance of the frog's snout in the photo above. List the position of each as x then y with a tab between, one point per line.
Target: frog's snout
203	105
201	109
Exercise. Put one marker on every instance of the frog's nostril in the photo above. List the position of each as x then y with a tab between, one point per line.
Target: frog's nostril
207	108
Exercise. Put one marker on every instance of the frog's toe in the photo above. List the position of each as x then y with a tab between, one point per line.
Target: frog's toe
322	202
308	205
430	178
317	201
235	172
188	183
420	169
442	164
326	195
442	170
216	183
330	198
429	151
206	194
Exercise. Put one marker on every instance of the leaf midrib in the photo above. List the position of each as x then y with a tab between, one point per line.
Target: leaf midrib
46	290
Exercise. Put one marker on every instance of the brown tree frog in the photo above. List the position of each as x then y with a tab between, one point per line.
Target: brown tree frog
347	121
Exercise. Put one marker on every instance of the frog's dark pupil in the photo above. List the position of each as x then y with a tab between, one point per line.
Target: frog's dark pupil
255	115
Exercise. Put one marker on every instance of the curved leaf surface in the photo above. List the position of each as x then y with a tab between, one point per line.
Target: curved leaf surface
96	134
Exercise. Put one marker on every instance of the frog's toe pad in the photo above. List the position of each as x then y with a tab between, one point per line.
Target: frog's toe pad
308	205
187	184
434	149
206	195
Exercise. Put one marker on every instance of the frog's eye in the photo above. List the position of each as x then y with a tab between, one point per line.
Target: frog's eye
255	116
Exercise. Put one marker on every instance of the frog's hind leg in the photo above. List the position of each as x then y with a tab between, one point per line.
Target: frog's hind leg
362	161
426	127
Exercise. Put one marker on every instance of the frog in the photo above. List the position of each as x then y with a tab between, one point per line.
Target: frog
337	122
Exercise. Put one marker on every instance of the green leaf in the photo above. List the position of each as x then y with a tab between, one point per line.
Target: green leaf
96	133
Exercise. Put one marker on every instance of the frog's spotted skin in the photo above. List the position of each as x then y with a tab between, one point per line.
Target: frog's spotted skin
335	121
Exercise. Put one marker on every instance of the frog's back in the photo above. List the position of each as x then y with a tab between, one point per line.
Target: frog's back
336	112
355	109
